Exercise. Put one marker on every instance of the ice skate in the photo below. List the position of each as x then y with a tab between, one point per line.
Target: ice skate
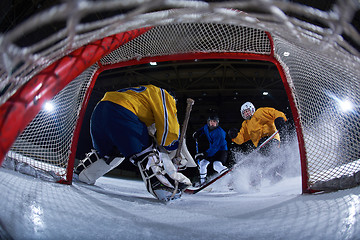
200	182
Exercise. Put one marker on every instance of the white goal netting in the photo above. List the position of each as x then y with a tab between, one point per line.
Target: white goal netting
315	52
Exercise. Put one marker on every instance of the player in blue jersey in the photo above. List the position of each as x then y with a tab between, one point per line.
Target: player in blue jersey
217	151
140	124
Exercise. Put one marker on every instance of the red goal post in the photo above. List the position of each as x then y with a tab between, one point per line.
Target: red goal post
311	80
28	101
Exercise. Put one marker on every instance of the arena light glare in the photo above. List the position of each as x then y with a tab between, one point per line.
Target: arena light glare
345	105
49	106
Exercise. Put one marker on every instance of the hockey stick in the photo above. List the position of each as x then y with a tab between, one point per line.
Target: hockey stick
196	146
196	190
267	140
197	151
189	102
259	147
161	149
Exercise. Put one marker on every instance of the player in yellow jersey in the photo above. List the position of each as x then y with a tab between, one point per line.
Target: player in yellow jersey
139	123
258	125
256	128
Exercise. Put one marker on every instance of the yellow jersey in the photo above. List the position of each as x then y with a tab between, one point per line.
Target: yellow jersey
260	125
151	105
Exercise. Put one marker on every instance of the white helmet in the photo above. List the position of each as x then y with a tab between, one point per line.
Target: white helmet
245	106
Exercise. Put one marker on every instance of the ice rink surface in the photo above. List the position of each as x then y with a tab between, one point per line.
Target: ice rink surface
122	209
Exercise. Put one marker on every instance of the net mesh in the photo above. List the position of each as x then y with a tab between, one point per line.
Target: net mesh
190	38
45	143
330	132
321	66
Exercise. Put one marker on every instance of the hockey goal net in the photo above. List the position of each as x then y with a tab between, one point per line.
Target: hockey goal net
313	50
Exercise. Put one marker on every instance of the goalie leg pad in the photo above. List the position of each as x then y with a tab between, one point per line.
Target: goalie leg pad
151	155
155	165
171	170
155	183
141	156
92	167
161	179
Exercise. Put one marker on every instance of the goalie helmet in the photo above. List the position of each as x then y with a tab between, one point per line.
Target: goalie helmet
247	106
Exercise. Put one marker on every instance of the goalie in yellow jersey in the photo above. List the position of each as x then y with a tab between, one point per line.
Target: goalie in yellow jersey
139	123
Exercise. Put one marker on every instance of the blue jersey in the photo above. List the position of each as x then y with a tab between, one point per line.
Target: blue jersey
216	138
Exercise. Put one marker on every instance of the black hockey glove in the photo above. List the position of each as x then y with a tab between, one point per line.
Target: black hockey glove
279	123
281	126
233	132
200	156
